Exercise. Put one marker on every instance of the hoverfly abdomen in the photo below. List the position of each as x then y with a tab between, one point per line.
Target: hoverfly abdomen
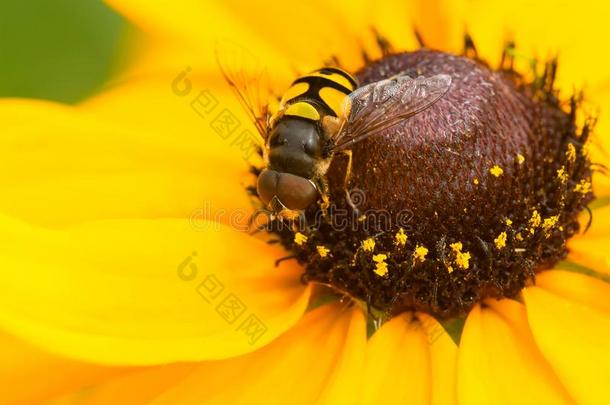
322	90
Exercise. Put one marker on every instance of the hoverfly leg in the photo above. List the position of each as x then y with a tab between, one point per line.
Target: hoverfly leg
299	224
348	175
324	191
253	226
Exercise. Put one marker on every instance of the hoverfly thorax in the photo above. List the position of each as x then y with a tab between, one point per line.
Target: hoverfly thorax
294	146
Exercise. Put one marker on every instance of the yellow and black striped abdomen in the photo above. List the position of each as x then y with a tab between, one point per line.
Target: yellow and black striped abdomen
318	93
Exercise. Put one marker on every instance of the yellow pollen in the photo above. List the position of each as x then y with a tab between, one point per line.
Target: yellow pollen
535	220
462	259
500	241
299	238
420	253
476	181
571	153
449	269
380	258
549	223
508	222
520	159
368	244
519	237
322	250
496	171
583	187
381	267
456	247
400	237
562	175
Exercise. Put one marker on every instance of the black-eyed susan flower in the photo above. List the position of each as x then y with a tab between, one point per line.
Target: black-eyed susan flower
127	276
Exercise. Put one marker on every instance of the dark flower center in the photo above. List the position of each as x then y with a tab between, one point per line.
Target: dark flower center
465	201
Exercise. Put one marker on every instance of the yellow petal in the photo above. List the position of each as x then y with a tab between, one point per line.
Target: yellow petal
145	291
398	368
410	361
600	224
59	166
590	249
30	375
497	354
575	287
186	107
398	20
320	358
300	36
600	154
575	340
472	362
284	36
599	100
443	357
438	24
291	29
544	28
190	29
135	388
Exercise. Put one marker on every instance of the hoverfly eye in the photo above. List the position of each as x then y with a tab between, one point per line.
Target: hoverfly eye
295	192
277	140
312	147
266	185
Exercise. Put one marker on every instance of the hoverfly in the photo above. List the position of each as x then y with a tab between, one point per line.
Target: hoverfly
323	113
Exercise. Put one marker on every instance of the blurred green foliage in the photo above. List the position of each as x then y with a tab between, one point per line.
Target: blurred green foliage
57	49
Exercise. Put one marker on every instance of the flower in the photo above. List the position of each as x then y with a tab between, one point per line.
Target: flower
117	274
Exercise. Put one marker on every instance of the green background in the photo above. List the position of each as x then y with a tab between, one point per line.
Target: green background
57	49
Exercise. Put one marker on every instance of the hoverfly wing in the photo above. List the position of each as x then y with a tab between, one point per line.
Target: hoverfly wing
248	79
378	106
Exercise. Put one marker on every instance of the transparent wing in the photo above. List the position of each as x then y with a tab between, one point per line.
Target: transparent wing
380	105
249	81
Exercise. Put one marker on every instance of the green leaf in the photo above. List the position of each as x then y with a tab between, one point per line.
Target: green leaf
60	50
